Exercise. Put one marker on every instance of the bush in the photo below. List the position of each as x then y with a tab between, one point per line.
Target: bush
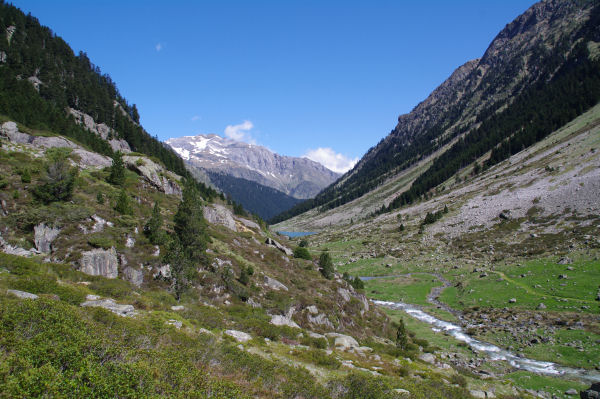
101	240
302	253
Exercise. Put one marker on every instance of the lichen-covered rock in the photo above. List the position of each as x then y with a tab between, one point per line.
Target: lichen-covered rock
44	236
279	320
110	304
154	174
163	272
239	336
22	294
271	242
344	293
134	276
249	223
344	342
320	319
221	215
274	284
100	262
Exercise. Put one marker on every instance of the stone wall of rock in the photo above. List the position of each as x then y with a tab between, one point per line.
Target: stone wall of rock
100	262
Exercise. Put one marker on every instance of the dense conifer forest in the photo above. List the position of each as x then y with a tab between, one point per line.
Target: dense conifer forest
30	50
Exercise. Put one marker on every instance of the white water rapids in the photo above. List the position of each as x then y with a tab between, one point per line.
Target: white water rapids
493	352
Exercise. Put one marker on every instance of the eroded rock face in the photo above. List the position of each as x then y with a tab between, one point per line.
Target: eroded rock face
249	223
278	320
22	294
86	158
44	236
344	342
100	262
109	304
274	284
271	242
134	276
154	174
219	214
239	336
320	319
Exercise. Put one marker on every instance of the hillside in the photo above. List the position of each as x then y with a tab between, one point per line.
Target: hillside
263	201
123	276
541	71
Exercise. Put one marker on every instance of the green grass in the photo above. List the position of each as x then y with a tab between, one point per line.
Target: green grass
413	289
588	357
536	382
540	284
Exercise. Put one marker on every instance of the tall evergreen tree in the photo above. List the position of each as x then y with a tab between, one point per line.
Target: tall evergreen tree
190	225
117	170
152	229
180	266
401	336
326	265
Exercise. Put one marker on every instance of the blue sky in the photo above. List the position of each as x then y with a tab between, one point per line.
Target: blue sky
293	76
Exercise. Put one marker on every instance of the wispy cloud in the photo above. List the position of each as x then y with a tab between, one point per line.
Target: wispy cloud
195	118
240	132
331	160
158	47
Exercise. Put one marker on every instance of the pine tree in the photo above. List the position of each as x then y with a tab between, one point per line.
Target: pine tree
190	225
326	265
152	229
180	266
117	170
401	336
123	205
58	181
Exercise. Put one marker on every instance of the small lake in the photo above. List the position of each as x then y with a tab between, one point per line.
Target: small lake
294	234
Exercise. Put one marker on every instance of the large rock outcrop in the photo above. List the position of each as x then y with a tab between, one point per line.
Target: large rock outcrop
44	236
271	242
100	262
219	214
86	158
154	174
109	304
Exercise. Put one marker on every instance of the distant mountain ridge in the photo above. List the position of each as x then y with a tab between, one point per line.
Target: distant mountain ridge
297	177
543	64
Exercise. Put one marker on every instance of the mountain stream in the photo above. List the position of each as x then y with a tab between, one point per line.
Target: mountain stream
493	352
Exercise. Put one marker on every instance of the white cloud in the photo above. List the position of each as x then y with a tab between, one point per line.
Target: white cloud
195	118
240	132
331	160
158	46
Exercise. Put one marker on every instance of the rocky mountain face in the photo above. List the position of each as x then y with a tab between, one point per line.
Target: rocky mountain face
297	177
550	40
513	61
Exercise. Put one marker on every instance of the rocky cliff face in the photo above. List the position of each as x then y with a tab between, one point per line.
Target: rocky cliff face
515	60
297	177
